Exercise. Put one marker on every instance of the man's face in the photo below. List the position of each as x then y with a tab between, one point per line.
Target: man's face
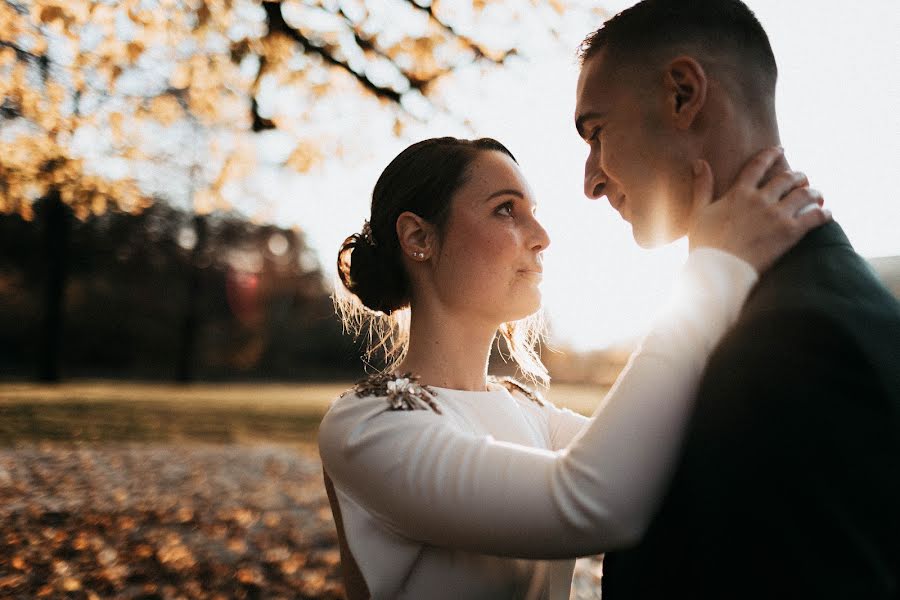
633	159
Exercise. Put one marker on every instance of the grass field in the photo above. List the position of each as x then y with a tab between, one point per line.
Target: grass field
119	412
103	411
126	491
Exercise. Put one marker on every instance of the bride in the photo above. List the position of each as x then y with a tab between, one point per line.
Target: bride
446	482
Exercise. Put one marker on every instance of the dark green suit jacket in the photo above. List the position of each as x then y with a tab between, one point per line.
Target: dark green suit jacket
788	484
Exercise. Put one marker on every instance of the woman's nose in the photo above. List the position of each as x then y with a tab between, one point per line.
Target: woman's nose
541	237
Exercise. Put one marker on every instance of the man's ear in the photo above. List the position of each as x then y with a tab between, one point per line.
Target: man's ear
416	236
685	87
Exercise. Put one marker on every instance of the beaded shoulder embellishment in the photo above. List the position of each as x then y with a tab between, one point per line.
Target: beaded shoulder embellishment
514	386
403	392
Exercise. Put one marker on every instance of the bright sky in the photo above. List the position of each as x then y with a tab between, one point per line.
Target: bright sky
838	94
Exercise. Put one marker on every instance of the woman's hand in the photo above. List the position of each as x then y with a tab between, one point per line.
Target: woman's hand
757	223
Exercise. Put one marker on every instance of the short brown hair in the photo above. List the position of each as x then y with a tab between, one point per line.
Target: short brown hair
717	30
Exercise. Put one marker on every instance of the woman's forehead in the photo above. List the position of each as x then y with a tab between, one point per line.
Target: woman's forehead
491	172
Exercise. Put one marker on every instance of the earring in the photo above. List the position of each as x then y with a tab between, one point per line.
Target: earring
418	255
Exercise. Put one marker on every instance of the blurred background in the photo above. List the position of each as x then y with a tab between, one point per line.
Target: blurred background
176	177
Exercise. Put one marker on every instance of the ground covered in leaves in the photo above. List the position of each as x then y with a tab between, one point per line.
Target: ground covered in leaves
159	521
139	498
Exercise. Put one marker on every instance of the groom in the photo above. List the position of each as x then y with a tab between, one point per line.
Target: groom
789	480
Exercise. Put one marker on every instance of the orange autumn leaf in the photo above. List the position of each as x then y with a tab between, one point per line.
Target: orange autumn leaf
165	109
134	50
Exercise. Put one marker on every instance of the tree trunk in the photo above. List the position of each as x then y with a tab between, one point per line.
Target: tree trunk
185	369
57	224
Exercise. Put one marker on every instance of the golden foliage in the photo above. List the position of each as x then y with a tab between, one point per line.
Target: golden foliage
165	109
32	165
304	157
204	62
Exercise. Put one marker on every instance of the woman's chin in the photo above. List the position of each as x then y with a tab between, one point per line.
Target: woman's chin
524	307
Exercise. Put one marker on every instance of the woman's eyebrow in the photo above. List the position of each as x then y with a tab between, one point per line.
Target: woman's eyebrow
505	192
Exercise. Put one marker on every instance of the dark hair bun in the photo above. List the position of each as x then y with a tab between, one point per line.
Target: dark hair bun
377	280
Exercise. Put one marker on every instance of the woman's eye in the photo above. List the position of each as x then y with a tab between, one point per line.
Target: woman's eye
505	209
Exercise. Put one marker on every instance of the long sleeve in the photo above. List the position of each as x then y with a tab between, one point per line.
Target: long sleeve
444	486
564	425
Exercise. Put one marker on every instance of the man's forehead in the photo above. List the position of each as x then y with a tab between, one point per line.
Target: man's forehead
594	80
594	88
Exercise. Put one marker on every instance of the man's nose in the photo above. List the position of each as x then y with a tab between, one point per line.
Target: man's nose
594	179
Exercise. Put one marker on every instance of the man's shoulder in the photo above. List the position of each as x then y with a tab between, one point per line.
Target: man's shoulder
822	273
796	340
819	292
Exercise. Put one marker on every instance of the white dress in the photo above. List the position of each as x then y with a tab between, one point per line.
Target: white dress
495	497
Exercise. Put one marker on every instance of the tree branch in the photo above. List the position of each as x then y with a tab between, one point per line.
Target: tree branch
367	44
277	24
21	53
474	46
16	7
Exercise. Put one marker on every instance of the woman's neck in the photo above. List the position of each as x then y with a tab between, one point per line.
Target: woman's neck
448	351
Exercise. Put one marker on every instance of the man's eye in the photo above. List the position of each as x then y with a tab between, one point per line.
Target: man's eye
595	134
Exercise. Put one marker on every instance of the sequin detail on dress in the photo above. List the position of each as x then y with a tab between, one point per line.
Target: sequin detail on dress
514	386
403	392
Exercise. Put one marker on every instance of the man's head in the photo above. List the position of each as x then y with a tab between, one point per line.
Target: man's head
662	83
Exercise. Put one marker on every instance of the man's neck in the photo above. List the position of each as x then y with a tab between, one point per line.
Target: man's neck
729	152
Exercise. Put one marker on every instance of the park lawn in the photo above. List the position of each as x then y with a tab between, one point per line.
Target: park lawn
122	490
112	411
107	411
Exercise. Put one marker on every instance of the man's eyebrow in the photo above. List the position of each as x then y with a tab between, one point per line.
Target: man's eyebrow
579	122
506	192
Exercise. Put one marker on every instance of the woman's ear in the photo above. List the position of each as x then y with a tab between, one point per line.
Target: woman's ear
685	88
416	236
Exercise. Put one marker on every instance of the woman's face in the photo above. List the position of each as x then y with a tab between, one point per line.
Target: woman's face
490	254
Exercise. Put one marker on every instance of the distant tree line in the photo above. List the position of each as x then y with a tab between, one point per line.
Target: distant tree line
108	108
164	294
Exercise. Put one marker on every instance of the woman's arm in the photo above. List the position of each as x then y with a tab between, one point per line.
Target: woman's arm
435	484
564	424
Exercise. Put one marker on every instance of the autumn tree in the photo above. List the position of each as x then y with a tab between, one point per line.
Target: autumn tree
120	103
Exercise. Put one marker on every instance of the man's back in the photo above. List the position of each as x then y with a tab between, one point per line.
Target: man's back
789	482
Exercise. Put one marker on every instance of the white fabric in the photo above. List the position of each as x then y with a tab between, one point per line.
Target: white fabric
473	503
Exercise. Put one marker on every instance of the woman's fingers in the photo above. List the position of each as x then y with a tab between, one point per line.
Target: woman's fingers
810	219
799	200
804	206
752	172
754	221
782	184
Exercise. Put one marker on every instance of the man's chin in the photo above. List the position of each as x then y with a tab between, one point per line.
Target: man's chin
649	239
